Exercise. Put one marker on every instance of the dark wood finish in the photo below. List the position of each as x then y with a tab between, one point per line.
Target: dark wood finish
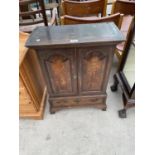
128	92
76	62
116	18
124	7
32	14
84	8
69	36
82	101
23	2
29	13
24	8
61	70
125	29
128	9
93	69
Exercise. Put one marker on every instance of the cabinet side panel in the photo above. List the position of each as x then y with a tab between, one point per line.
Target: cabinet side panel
32	74
25	101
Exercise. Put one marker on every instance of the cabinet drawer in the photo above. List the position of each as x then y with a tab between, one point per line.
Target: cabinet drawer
77	101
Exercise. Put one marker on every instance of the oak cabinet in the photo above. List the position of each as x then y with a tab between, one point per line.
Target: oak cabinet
76	62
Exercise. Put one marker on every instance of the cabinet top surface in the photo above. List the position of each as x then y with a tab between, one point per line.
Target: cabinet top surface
81	34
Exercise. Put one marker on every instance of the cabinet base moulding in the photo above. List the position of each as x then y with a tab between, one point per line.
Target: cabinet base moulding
58	104
39	114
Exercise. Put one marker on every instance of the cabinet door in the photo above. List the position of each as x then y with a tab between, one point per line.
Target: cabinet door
94	67
60	71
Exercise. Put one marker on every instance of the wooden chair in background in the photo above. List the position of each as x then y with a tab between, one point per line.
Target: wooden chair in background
128	9
116	18
125	7
84	8
37	17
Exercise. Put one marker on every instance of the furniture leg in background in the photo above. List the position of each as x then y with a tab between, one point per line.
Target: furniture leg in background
125	75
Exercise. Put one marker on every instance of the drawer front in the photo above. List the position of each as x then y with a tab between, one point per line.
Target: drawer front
77	101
